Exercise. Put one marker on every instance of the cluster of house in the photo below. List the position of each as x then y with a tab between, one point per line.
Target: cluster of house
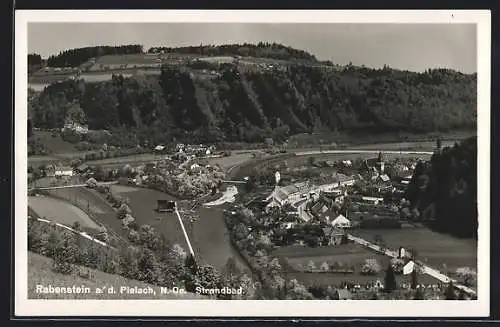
199	150
299	195
75	127
323	202
58	171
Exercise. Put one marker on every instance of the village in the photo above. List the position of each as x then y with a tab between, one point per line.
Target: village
330	206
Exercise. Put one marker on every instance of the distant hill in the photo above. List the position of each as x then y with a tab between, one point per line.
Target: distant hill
444	190
40	272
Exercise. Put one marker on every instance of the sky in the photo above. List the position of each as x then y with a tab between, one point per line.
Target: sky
414	47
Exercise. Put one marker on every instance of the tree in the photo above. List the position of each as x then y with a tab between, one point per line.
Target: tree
311	161
380	157
231	267
311	266
66	254
123	210
207	277
414	281
76	114
438	143
274	267
297	291
148	267
449	293
390	280
461	295
30	128
179	253
371	267
190	264
148	237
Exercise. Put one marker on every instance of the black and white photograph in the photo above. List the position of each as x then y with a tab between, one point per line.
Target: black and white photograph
221	162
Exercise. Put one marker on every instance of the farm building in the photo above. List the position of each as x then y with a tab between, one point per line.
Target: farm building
63	171
371	200
165	206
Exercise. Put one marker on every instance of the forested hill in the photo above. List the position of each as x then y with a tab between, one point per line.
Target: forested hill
78	56
444	190
235	103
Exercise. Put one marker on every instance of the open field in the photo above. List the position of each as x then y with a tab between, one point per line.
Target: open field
60	211
84	198
91	201
127	59
224	162
389	139
143	204
231	161
299	161
40	272
349	254
432	248
132	159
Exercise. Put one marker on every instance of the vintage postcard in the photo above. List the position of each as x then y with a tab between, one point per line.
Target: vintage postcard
252	163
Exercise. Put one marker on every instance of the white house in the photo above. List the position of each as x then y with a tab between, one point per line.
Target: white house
384	178
347	163
159	148
341	222
63	171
